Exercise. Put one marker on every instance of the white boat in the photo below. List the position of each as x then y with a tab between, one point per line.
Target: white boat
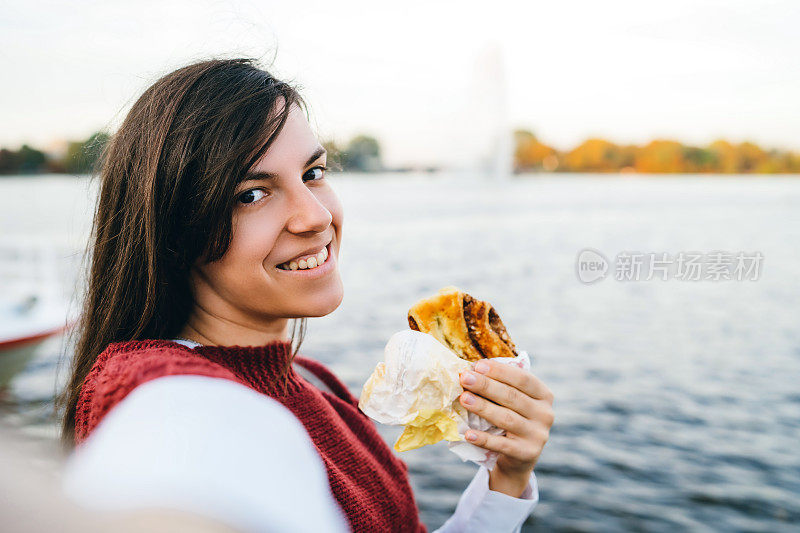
23	328
33	306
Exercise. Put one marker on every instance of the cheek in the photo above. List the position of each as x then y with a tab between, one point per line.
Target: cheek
253	238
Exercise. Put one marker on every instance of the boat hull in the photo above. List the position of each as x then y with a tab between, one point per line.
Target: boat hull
15	354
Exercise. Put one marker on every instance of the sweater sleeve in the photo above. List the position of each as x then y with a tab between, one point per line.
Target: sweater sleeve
207	446
487	511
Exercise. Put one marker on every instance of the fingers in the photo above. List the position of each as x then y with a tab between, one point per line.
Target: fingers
499	393
516	377
498	415
512	399
525	450
505	406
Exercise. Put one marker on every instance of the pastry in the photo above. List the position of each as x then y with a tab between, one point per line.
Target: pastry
469	327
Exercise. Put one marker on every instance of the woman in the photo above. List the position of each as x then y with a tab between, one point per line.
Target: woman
215	225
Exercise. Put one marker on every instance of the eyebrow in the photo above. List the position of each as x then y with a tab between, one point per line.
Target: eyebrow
250	176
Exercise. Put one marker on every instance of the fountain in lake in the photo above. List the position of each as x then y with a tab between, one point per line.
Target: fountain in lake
492	125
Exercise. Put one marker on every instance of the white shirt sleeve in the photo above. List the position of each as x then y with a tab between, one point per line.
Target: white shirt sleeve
487	511
209	446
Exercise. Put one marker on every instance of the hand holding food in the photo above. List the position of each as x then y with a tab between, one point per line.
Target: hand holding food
517	402
418	385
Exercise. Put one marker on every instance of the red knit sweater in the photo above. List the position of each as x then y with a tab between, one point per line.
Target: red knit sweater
367	479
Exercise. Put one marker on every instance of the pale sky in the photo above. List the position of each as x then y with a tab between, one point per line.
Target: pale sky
425	77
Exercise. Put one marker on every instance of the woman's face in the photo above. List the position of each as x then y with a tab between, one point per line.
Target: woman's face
285	213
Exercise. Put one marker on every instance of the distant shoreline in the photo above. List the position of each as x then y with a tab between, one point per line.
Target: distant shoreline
513	176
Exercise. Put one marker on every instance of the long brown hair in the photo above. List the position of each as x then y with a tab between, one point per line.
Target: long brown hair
167	179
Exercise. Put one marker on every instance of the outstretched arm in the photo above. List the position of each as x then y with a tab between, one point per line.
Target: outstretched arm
208	446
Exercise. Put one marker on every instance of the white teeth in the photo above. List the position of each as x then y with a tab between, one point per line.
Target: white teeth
310	262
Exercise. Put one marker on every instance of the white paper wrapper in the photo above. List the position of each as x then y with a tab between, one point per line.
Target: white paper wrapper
417	385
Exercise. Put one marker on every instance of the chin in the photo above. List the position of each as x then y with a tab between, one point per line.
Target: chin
320	304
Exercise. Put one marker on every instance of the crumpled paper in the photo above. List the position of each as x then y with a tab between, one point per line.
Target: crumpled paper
417	386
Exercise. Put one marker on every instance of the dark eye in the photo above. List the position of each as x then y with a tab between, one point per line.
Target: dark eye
315	174
253	195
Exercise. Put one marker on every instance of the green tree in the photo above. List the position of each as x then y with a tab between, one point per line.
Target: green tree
699	159
83	156
9	161
334	157
30	160
362	154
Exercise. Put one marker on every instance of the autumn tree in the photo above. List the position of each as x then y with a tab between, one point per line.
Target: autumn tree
530	154
597	155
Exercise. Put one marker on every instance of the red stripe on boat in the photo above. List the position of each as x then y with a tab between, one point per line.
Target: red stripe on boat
22	341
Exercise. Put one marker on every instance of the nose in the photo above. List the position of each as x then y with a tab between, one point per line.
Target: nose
306	212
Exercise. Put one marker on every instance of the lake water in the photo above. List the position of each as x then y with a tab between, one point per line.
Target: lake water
677	402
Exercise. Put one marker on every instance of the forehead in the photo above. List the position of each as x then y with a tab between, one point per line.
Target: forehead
293	145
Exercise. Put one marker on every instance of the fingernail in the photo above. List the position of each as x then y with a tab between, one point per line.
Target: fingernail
469	378
481	367
471	436
468	399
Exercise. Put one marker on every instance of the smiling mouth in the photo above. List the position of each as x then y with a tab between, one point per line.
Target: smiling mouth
307	262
